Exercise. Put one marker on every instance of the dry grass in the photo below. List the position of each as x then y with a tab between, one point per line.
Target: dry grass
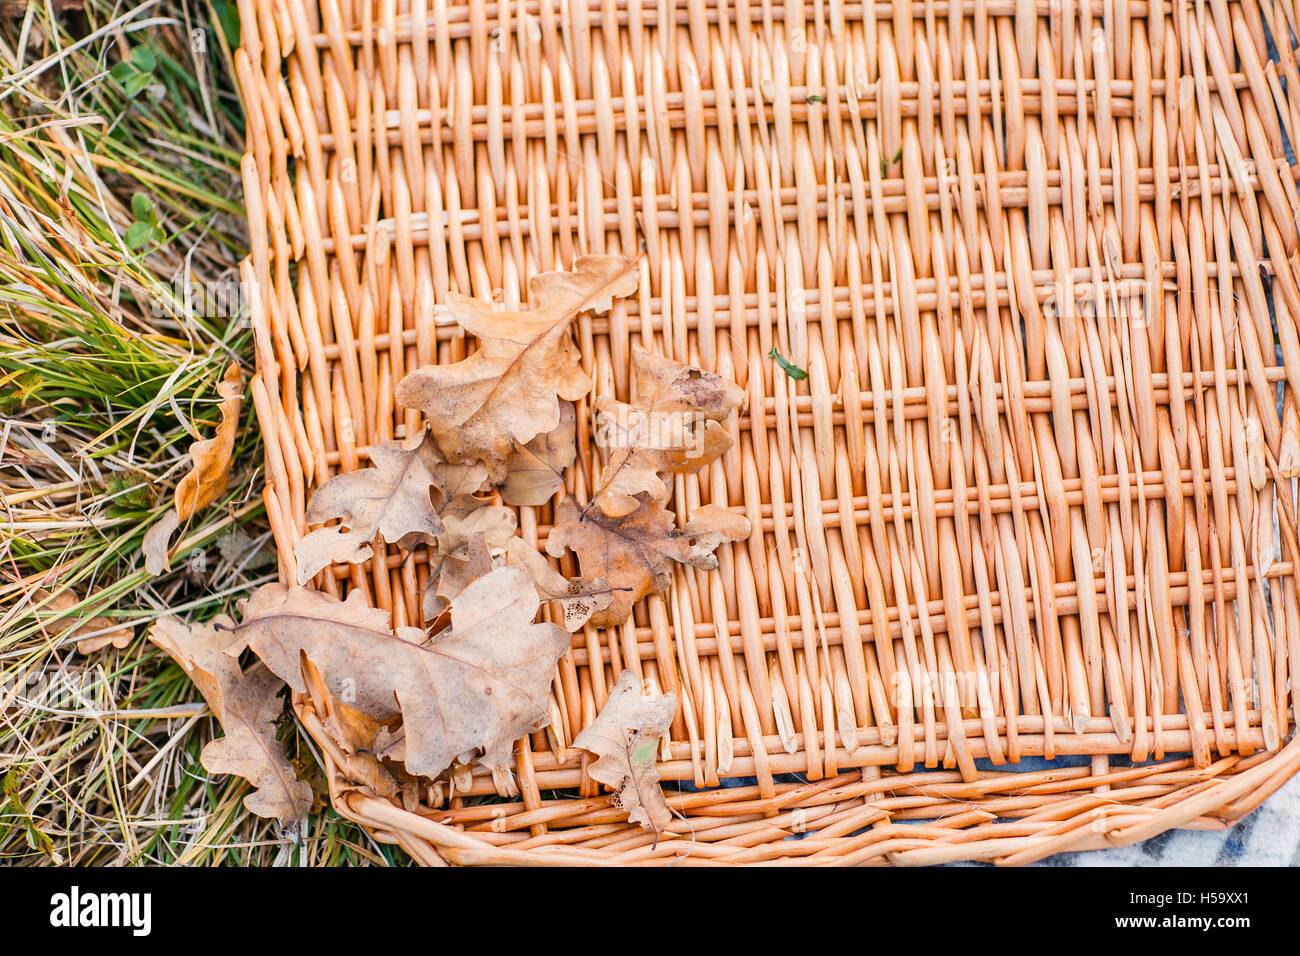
119	145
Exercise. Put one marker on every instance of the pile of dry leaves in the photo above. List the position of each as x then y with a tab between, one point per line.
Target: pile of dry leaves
413	710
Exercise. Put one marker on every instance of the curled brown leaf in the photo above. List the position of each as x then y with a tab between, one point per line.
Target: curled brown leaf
634	553
207	479
671	426
578	598
452	573
247	705
535	471
475	687
401	498
625	740
510	390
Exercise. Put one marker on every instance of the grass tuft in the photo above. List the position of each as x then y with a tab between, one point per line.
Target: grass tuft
121	229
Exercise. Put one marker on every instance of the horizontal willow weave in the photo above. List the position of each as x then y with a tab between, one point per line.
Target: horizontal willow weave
1033	497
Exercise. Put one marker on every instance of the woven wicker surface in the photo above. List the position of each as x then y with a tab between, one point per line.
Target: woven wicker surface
1032	497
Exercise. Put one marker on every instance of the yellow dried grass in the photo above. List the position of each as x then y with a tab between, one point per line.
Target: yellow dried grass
1022	504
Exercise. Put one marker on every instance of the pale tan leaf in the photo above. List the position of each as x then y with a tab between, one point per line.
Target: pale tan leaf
453	573
118	638
663	385
474	534
509	391
634	553
625	740
469	517
154	546
246	704
475	687
535	471
399	498
671	426
118	634
579	598
459	571
207	479
645	448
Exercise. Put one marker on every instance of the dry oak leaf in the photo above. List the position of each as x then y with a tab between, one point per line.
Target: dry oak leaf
353	731
634	553
535	471
207	479
579	598
509	391
246	704
453	573
473	535
467	517
154	546
625	740
476	687
113	630
400	498
671	426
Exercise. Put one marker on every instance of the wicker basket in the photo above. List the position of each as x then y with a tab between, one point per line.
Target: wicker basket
1033	498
